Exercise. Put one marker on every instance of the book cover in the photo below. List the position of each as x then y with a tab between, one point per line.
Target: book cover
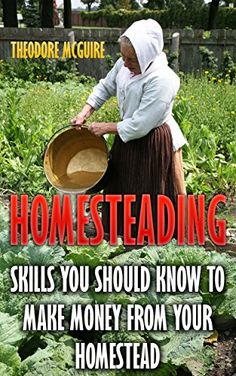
76	299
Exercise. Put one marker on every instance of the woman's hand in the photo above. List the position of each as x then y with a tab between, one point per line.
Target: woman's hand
82	116
78	120
100	129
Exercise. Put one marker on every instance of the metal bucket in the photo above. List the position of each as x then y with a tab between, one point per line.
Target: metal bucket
76	161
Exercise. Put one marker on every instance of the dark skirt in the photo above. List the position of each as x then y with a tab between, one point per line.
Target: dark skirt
140	166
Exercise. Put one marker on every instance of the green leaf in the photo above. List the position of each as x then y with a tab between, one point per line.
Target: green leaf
182	346
227	307
55	360
92	256
9	360
10	332
43	255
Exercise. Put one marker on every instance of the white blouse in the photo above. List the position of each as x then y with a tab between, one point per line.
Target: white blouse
145	100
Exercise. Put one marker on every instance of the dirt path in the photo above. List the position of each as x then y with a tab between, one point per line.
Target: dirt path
225	360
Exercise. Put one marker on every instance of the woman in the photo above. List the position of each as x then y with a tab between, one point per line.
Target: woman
146	154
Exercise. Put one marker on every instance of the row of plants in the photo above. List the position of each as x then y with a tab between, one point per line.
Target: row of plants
40	353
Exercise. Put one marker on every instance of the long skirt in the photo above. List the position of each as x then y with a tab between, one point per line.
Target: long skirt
141	166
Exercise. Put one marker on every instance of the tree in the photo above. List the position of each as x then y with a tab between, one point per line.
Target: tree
187	4
229	2
30	12
105	4
120	4
156	4
56	18
9	13
46	13
175	4
89	3
213	9
67	14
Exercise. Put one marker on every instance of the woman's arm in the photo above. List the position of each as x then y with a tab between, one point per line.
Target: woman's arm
106	87
100	129
179	172
101	92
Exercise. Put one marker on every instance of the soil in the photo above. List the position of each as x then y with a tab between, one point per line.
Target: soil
225	359
225	356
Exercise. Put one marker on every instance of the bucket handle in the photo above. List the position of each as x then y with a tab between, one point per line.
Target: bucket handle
58	132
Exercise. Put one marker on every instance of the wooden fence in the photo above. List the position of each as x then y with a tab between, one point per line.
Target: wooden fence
190	41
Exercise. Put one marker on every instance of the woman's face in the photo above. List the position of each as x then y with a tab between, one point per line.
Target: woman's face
129	57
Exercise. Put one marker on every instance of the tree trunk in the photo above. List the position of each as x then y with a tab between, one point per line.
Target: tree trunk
47	13
67	14
9	13
161	4
214	5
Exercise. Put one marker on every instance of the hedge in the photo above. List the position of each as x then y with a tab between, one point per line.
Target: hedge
226	17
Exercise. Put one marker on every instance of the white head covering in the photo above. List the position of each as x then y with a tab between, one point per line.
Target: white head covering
146	37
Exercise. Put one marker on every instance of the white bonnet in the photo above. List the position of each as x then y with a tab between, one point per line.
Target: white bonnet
146	36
